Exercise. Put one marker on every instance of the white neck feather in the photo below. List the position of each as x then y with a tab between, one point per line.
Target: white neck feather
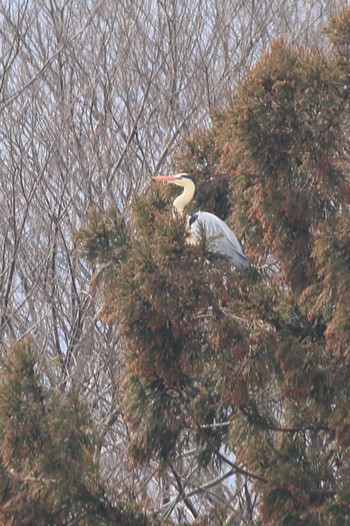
186	197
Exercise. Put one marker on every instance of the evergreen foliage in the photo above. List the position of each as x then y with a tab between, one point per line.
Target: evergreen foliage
47	471
254	363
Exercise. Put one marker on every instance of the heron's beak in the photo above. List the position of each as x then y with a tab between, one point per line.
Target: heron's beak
163	177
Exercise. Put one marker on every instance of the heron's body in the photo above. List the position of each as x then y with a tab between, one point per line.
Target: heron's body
220	238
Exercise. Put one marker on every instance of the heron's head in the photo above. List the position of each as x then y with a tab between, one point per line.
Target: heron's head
187	184
181	179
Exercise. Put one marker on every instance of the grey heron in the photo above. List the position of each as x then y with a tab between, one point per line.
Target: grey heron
221	239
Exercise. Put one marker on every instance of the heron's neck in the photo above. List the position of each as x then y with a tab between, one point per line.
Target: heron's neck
186	197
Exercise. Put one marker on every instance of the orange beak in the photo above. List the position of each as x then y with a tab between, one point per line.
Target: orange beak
163	177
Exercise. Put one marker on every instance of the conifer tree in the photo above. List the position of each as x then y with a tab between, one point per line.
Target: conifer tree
48	475
249	367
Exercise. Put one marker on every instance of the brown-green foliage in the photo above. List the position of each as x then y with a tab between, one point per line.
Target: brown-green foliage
47	472
266	350
201	160
284	141
169	301
281	139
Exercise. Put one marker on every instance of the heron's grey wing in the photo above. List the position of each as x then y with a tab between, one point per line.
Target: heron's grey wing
220	237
